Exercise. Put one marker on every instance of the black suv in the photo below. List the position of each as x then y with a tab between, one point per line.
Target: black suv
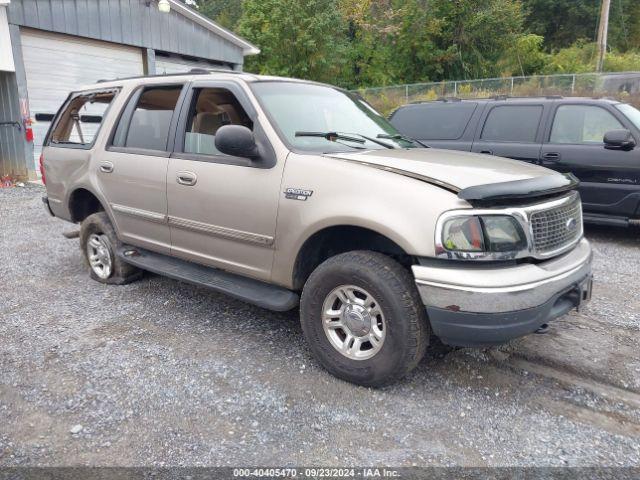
594	139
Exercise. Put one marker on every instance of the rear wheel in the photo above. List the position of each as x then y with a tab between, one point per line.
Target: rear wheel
99	242
363	318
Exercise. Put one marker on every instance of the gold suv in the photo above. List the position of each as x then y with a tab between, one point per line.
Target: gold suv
288	193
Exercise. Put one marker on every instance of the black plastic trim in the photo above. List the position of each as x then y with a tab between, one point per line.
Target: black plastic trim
265	295
469	329
520	189
45	200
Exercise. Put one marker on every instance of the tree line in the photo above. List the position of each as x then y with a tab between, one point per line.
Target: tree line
364	43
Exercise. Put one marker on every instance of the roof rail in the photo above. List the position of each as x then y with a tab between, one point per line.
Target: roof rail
193	71
200	70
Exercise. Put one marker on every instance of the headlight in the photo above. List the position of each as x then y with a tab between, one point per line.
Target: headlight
483	233
463	234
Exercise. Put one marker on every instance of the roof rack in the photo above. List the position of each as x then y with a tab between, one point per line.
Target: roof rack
193	71
200	70
507	97
439	99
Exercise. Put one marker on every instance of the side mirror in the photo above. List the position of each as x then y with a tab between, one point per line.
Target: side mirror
619	140
237	140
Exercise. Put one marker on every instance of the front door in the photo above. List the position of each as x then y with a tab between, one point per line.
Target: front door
222	209
609	179
132	171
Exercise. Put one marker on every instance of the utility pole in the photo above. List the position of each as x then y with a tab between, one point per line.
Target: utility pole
603	29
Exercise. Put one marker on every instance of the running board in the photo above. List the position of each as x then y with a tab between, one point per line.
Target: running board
249	290
599	219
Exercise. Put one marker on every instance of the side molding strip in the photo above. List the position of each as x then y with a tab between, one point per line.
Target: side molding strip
195	226
136	212
221	231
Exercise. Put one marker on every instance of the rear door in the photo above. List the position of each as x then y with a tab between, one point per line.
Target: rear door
442	124
609	179
511	130
132	171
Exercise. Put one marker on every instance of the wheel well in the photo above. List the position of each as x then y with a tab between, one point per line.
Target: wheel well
83	203
340	239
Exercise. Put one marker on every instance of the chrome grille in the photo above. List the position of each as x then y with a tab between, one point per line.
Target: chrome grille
557	227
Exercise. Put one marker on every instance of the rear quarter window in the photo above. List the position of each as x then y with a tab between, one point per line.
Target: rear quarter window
80	119
443	121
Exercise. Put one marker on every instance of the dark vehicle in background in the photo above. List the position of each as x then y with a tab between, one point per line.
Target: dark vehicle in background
595	139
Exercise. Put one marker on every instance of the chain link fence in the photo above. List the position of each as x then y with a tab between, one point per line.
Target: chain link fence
624	86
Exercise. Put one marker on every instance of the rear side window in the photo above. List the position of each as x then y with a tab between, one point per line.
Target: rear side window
80	120
147	125
446	121
582	124
512	123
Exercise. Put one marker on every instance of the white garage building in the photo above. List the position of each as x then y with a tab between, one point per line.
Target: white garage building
51	47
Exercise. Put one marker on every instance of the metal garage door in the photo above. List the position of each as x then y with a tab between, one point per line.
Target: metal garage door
174	64
56	64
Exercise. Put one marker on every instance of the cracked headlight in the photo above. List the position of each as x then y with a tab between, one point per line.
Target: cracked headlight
483	233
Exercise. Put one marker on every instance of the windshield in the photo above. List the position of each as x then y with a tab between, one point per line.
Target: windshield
302	108
632	113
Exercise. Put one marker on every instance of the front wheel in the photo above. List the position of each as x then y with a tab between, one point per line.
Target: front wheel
363	318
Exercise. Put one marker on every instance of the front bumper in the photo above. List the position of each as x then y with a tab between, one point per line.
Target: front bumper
475	305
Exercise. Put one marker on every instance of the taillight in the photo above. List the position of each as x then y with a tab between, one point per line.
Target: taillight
41	162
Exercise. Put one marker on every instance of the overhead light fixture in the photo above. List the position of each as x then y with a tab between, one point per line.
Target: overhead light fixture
164	6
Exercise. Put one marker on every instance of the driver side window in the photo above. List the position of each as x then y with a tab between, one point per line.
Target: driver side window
211	108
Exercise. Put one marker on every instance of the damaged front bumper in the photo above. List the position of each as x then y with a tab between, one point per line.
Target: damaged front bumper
475	305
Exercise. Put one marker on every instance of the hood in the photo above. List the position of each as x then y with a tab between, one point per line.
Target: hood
450	169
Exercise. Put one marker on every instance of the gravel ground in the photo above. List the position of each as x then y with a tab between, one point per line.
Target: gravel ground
161	373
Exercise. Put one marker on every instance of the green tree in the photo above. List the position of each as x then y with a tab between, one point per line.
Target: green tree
477	34
525	56
305	39
406	41
563	22
225	12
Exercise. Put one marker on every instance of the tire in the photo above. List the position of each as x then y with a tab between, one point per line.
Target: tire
402	322
98	230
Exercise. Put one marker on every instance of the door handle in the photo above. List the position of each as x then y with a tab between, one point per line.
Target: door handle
551	156
106	167
487	152
188	179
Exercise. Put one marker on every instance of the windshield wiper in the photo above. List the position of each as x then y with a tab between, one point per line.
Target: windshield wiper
384	144
397	136
333	136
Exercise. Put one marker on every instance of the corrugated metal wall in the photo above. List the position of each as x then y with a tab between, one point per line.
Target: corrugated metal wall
129	22
12	154
173	64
